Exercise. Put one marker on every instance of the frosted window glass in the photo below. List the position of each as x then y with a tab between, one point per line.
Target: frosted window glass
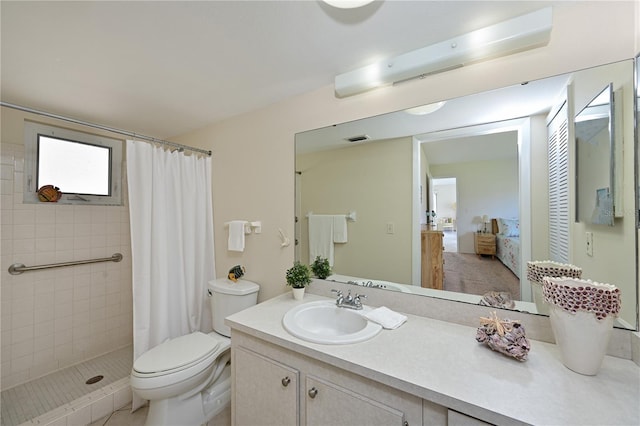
73	167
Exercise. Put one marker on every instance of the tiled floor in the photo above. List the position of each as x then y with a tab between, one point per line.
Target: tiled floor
123	417
37	397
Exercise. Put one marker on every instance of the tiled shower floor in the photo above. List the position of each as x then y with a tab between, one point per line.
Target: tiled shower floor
32	399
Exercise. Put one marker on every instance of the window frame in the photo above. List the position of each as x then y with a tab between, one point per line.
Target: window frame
33	130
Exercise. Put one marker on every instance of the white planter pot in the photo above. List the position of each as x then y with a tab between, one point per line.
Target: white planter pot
541	306
298	293
582	338
537	270
582	314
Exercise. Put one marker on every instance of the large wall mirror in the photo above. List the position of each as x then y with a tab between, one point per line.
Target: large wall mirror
473	171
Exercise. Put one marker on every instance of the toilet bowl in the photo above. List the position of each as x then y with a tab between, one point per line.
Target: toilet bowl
187	379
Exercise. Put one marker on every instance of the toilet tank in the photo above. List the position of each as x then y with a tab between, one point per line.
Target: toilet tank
227	298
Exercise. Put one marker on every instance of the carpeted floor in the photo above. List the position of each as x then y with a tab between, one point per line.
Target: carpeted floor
471	274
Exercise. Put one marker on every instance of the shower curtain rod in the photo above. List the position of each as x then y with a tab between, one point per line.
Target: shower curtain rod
101	127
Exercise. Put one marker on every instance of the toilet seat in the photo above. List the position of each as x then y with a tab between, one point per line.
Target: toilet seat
177	359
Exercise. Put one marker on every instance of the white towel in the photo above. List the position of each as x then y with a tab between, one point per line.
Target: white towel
340	228
321	237
386	317
236	235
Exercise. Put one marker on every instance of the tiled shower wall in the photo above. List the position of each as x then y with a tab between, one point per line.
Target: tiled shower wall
55	318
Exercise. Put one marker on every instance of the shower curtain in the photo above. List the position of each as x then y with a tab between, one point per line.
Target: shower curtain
171	219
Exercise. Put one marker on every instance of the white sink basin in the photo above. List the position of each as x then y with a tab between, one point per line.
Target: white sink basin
324	322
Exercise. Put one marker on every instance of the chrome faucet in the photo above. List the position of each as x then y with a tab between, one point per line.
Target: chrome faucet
348	301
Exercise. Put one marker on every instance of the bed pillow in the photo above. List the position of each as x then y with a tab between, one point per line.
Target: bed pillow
509	227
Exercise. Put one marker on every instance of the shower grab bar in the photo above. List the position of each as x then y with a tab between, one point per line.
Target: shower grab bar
18	268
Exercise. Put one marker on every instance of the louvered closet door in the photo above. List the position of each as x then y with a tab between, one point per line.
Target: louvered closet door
558	155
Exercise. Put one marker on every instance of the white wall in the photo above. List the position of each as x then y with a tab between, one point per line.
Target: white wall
446	200
259	182
484	187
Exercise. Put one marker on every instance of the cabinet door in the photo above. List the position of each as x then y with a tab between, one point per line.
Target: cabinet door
329	404
265	392
459	419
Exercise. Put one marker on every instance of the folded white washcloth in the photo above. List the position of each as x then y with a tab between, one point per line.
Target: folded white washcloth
386	317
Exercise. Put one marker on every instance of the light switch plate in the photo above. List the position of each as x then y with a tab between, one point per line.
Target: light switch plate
590	243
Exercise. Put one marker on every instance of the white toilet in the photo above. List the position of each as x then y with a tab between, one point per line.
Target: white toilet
187	380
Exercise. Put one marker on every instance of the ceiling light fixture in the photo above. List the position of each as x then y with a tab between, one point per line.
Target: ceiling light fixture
347	4
425	109
505	38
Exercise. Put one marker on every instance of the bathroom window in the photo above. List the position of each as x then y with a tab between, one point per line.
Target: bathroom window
85	167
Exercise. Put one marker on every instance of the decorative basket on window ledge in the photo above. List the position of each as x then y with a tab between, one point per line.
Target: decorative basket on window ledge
49	194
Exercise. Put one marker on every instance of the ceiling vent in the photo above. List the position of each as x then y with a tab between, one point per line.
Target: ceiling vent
358	138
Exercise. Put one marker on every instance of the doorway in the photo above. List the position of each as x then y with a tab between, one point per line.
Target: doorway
445	204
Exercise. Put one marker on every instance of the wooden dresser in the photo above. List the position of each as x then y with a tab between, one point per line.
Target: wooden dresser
432	259
484	244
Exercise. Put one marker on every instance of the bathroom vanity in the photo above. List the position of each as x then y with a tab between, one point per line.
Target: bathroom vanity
427	372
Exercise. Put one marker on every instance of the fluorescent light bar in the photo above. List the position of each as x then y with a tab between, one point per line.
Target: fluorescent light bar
347	4
425	109
505	38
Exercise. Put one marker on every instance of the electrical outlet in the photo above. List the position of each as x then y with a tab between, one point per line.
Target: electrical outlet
590	243
391	228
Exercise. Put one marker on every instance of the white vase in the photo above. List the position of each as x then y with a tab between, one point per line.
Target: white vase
541	306
298	293
537	270
581	314
582	339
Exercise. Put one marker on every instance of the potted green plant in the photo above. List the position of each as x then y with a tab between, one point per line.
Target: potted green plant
321	267
298	277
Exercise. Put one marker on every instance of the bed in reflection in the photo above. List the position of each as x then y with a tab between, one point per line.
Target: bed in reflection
507	232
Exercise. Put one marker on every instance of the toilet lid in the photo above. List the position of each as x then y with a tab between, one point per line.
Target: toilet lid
176	353
239	288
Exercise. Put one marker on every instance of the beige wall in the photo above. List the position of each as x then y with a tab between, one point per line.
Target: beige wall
374	180
613	247
253	154
58	317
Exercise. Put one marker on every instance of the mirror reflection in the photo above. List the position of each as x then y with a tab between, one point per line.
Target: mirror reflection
594	144
452	203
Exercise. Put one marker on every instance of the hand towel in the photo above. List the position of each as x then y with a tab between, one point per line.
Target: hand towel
321	237
236	235
340	228
386	317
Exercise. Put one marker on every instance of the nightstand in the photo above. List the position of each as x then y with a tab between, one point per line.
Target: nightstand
484	244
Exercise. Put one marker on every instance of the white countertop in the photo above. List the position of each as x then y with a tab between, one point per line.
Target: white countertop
443	363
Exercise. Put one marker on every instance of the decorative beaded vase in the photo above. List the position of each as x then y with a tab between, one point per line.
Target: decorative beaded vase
581	314
537	270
